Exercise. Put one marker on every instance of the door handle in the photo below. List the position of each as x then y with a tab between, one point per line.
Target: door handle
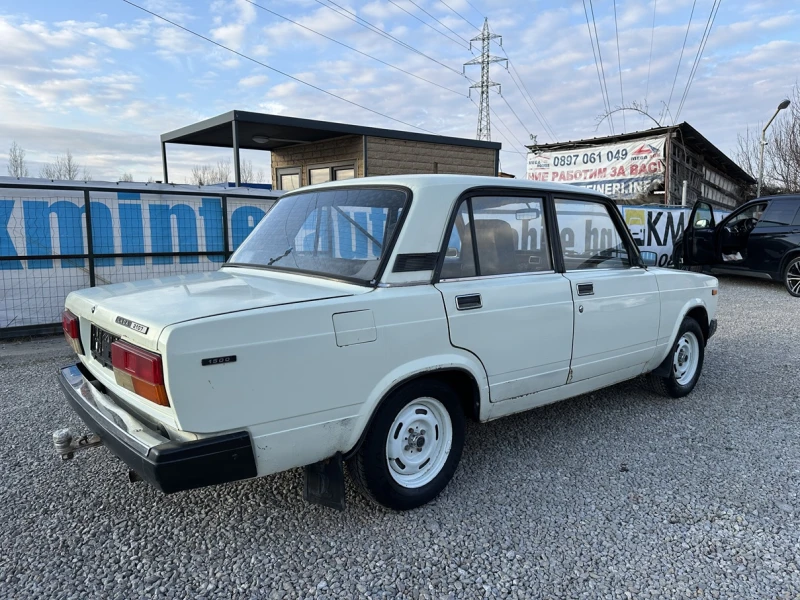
468	302
585	289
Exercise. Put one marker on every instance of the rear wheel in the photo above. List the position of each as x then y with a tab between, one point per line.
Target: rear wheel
413	446
686	362
791	277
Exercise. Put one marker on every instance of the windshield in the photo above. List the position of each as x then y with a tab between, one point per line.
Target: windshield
341	233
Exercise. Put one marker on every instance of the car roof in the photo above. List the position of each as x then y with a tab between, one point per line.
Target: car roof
465	181
792	197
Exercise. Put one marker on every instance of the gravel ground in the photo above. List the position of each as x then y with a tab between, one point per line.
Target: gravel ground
617	494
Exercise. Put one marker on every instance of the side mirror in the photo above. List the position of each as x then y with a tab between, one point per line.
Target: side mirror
701	224
650	259
451	252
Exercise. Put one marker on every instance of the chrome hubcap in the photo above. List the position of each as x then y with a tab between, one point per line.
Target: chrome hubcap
686	357
419	442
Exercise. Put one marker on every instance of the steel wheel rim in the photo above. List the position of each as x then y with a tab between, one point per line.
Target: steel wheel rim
686	358
793	278
419	442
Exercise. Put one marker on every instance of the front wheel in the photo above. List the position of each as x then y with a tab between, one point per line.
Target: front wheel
413	446
686	362
791	277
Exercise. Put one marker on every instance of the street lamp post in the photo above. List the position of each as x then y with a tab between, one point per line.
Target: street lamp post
781	106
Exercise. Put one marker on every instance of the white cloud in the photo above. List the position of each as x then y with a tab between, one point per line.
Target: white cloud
232	34
254	81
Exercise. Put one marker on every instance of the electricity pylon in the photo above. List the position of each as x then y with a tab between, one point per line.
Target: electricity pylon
485	59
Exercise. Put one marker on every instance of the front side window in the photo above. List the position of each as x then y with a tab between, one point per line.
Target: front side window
336	233
507	232
749	215
703	217
589	236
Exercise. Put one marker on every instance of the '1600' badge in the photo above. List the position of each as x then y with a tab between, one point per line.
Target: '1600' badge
132	325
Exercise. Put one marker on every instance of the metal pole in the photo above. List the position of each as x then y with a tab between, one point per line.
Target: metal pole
761	158
781	106
164	161
684	192
87	205
237	173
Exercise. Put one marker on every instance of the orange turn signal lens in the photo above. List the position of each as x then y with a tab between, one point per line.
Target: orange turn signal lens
714	292
139	371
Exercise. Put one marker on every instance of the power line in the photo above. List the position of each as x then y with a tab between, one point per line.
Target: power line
597	68
443	34
619	63
438	21
528	97
265	65
366	24
600	56
510	131
460	15
680	58
650	60
703	40
356	49
475	9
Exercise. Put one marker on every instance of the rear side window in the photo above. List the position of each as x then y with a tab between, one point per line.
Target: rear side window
780	213
507	232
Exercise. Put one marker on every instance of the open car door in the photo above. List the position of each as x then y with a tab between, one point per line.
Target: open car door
697	245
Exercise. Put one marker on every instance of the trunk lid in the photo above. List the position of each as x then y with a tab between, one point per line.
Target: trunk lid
139	311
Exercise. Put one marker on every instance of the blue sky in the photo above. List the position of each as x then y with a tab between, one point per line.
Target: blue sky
105	79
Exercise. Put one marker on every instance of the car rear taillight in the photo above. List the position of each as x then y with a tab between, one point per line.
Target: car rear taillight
72	330
139	371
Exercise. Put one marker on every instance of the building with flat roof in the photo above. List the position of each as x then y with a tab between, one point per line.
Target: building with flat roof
672	166
304	151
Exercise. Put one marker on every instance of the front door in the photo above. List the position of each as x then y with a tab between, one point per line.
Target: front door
699	244
617	305
505	303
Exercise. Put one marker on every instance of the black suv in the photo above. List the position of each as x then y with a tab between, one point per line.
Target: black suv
760	239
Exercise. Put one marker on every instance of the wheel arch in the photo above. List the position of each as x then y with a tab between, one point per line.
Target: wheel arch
694	308
787	258
468	383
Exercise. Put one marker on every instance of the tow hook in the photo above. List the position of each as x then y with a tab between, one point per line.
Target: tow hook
67	445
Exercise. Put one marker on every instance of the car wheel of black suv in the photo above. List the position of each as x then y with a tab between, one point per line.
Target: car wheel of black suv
685	361
791	277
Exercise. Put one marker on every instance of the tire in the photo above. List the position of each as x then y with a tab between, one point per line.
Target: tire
791	277
402	470
686	362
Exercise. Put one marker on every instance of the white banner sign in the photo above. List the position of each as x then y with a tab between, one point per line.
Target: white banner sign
621	171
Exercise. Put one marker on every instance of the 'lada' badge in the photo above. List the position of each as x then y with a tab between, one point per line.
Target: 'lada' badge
132	325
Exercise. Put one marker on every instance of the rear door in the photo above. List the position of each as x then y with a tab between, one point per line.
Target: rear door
774	236
698	244
617	307
505	303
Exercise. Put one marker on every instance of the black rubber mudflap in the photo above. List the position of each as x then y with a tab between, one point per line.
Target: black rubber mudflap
324	482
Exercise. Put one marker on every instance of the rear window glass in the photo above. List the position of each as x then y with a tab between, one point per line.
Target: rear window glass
340	233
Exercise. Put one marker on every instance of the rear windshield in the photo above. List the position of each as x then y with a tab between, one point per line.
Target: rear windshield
340	233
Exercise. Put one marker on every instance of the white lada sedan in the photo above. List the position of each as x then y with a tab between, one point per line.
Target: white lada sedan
364	321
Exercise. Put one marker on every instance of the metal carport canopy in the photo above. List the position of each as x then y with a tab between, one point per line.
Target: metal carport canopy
237	129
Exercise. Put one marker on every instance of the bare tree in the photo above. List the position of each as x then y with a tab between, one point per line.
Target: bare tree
126	177
17	167
65	168
781	153
248	175
211	174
